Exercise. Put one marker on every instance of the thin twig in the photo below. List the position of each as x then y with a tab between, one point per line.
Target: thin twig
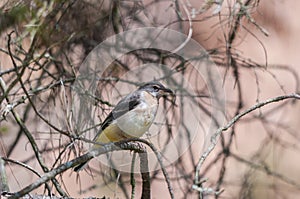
25	129
72	163
160	160
216	135
146	191
132	180
267	170
4	188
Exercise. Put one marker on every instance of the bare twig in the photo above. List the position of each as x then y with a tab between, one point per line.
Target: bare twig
267	170
83	158
215	136
146	191
132	180
25	129
160	160
28	168
3	178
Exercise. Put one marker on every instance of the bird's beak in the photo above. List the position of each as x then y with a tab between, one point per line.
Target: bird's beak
166	92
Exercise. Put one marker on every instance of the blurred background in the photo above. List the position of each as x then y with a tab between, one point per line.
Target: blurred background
253	43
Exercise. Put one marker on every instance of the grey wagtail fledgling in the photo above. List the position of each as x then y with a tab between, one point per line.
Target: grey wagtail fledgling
132	116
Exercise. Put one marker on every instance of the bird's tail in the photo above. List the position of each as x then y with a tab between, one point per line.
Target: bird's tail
80	166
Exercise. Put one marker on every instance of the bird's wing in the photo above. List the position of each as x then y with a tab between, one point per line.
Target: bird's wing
126	104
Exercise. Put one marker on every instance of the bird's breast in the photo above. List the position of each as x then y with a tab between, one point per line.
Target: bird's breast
137	121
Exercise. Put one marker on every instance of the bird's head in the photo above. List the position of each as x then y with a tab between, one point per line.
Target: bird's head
156	89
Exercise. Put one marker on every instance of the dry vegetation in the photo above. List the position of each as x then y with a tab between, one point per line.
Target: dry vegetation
235	132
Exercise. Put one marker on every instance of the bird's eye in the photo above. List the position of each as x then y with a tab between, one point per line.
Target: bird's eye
155	88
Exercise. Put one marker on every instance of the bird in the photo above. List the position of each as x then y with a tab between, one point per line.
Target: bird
132	116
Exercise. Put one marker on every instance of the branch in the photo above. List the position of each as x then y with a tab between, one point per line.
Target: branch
159	159
132	180
3	178
216	135
146	192
26	167
70	164
267	170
